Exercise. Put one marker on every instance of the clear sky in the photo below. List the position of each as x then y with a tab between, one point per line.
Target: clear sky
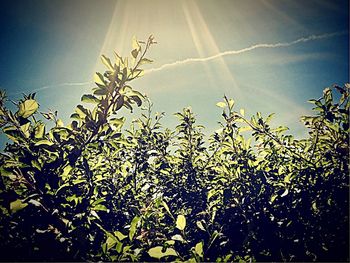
50	43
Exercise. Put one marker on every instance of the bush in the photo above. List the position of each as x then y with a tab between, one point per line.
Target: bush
92	191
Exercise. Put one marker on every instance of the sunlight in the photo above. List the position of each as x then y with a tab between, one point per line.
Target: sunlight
204	41
117	29
142	18
107	36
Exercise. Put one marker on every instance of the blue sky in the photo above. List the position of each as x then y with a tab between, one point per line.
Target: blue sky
51	42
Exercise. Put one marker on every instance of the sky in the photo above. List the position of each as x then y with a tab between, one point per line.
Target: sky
268	55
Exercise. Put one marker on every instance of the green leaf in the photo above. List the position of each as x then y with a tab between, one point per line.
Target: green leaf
273	198
181	222
157	252
36	164
199	249
137	100
145	61
61	187
221	104
313	101
25	129
241	111
81	111
138	73
75	116
119	247
107	62
231	102
111	241
17	205
39	131
98	78
167	208
178	238
100	91
12	133
287	178
35	203
119	103
59	123
117	122
269	118
44	142
120	235
134	53
88	98
27	108
285	192
100	208
200	225
280	129
245	128
211	193
66	171
133	227
135	44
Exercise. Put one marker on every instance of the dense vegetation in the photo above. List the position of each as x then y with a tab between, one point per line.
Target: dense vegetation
91	190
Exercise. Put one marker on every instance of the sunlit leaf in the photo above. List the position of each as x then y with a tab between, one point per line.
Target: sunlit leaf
107	62
59	123
44	142
145	61
133	226
178	238
117	122
27	108
167	208
98	79
181	222
17	205
200	225
245	128
285	192
157	252
88	98
199	249
39	131
25	129
111	241
273	198
120	235
241	111
231	103
221	104
135	44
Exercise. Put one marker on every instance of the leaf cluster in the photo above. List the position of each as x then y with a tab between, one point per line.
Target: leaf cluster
91	190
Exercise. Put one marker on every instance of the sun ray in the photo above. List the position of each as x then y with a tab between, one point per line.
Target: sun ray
116	33
204	41
196	40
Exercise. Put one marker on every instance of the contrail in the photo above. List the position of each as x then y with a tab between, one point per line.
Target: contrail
240	51
55	86
221	54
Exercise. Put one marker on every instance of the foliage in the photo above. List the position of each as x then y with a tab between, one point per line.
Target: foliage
91	190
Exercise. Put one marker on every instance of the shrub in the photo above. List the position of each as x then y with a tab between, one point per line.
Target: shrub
91	190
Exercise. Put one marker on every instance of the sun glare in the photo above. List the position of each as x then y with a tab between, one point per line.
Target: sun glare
189	17
204	41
